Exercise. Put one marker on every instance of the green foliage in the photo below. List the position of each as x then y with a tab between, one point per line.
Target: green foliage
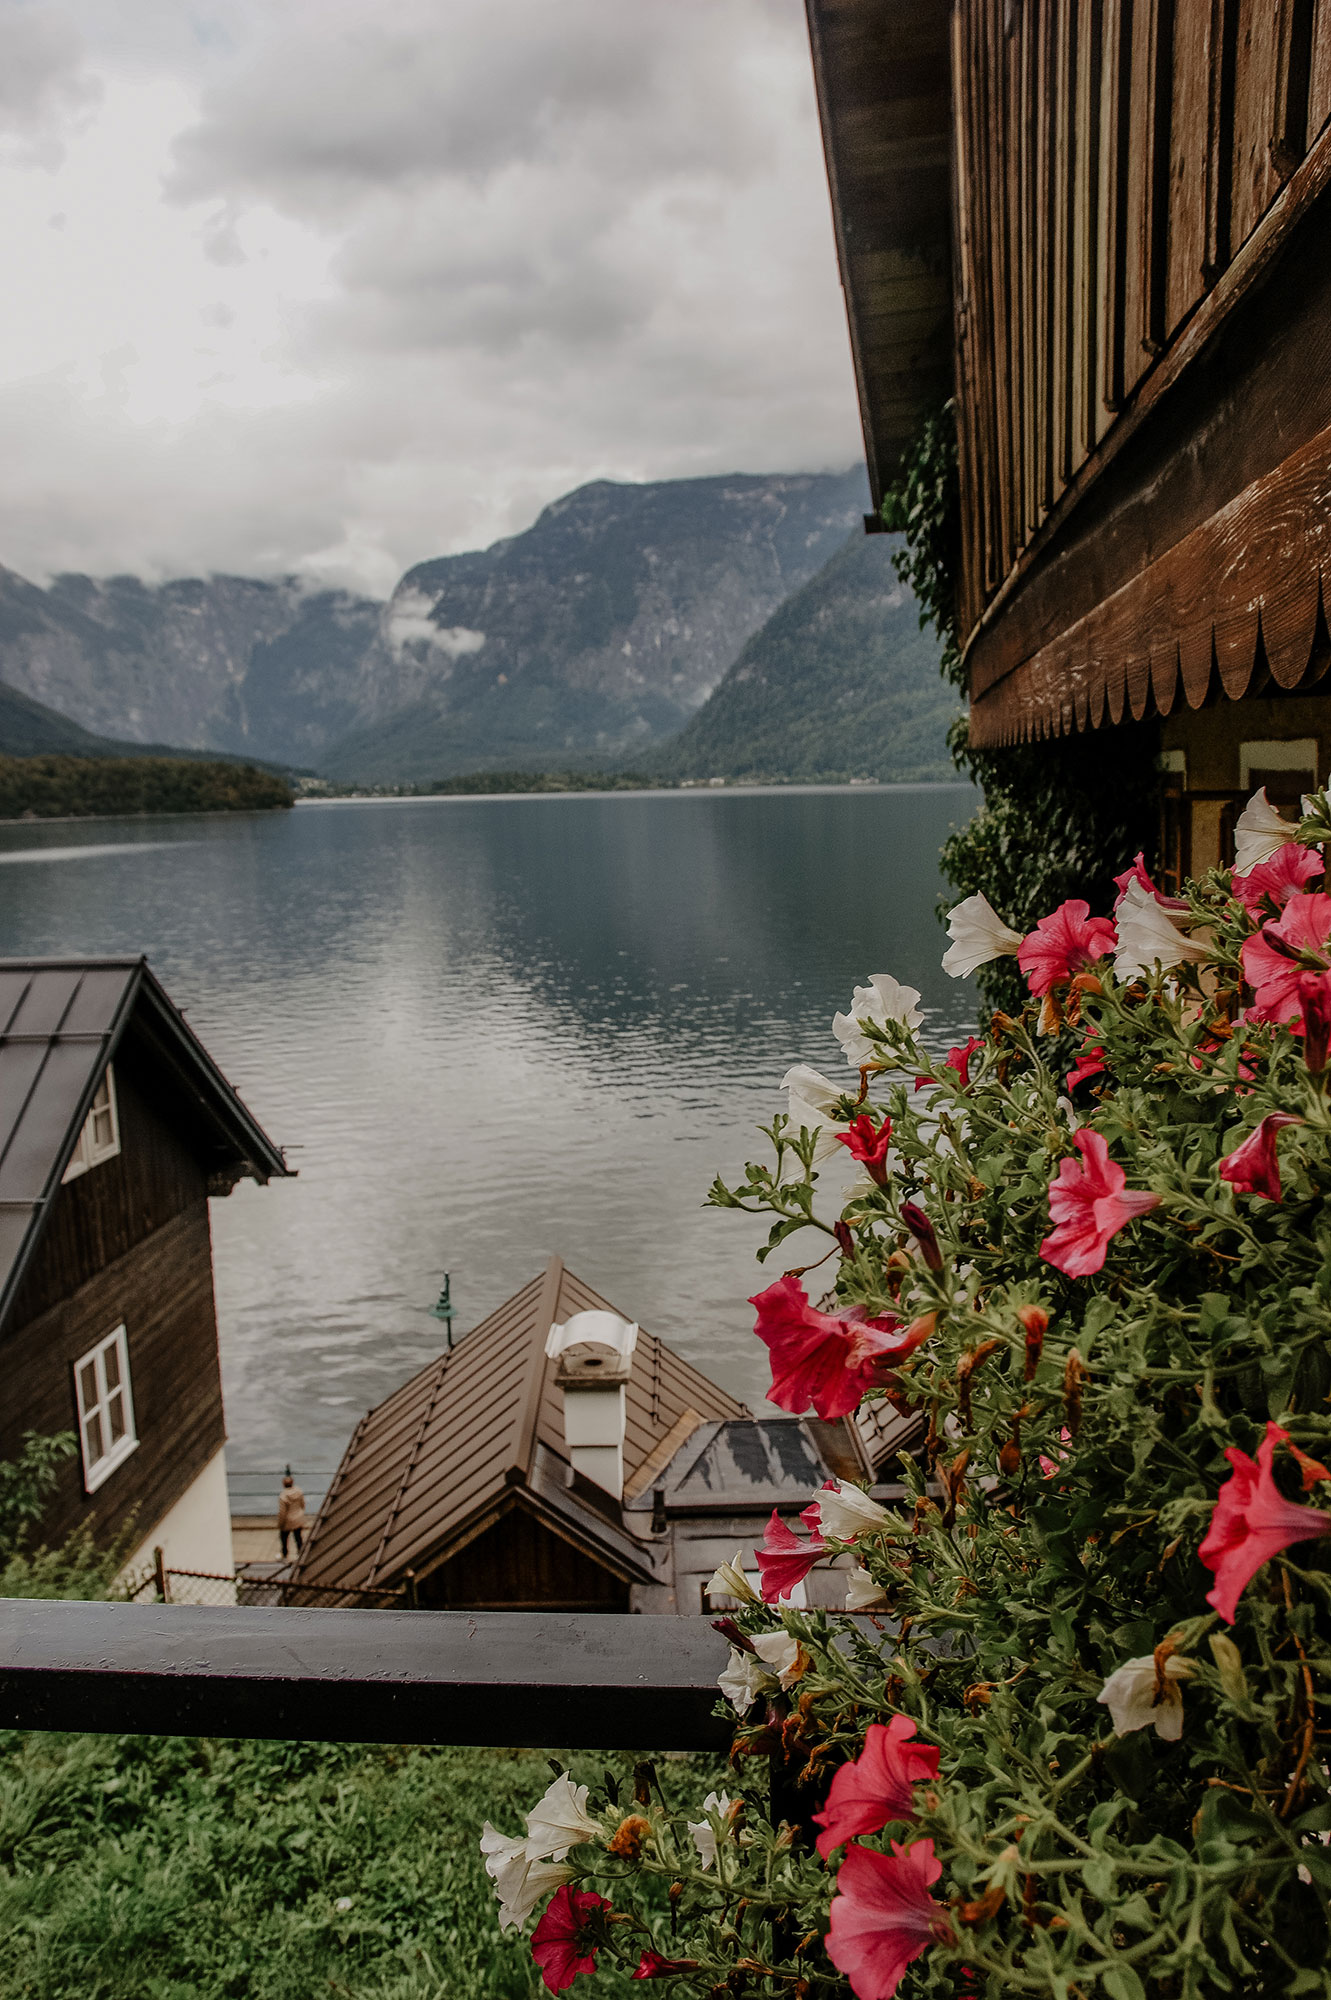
542	781
85	787
27	1483
1060	817
79	1568
1080	1431
138	1868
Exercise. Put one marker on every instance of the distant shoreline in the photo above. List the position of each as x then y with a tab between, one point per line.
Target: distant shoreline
702	791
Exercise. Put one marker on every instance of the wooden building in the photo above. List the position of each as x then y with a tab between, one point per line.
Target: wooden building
1105	227
115	1129
560	1457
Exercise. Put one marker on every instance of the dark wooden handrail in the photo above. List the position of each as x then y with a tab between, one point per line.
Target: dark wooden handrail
536	1680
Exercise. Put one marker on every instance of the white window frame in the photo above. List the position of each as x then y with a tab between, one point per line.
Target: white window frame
91	1149
104	1392
1297	755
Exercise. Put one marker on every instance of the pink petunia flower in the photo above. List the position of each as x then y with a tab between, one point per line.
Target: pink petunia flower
827	1360
1061	944
1137	873
786	1558
1273	959
959	1059
1288	871
883	1916
1251	1523
868	1146
1090	1062
652	1966
1088	1205
1253	1167
878	1786
1315	1018
560	1944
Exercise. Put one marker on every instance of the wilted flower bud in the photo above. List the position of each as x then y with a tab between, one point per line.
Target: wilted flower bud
1036	1321
922	1230
628	1838
1229	1665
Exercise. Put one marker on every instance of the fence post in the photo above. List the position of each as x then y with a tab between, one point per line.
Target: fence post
159	1571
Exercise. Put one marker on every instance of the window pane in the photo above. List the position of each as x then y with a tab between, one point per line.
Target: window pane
88	1386
92	1431
111	1363
115	1415
101	1127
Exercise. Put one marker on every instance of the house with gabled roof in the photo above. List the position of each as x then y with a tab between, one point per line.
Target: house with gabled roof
562	1457
116	1128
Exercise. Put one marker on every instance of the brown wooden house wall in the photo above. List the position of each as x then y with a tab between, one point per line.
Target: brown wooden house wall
128	1241
519	1564
1112	159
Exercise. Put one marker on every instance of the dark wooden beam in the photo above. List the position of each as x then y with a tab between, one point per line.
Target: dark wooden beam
538	1680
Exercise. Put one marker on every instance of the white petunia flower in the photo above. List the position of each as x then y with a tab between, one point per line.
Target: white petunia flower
704	1832
978	936
1148	936
728	1580
861	1590
845	1512
1129	1695
1259	833
523	1883
884	999
743	1680
560	1820
811	1100
780	1653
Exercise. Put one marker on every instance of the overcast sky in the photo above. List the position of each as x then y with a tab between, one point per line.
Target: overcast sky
330	286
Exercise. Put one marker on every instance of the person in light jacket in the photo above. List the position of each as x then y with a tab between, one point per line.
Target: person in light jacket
290	1513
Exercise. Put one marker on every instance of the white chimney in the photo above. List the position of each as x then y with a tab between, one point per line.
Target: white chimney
594	1353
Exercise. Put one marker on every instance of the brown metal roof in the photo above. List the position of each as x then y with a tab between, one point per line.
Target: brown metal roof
881	70
61	1022
449	1451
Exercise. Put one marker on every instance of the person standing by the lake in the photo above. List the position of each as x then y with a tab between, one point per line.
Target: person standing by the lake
290	1513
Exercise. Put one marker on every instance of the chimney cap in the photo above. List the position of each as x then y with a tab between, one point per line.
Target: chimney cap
593	1347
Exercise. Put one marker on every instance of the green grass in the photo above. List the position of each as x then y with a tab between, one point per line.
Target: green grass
160	1868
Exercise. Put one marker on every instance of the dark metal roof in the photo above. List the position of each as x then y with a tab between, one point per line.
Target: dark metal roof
455	1447
61	1022
882	74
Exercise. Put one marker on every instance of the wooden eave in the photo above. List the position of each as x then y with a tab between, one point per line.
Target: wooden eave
61	1022
881	75
1137	593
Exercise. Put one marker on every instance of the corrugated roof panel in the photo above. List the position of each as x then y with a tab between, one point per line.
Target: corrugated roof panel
44	1006
48	1116
13	986
96	1004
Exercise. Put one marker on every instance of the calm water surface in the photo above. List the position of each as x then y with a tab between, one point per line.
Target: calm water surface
489	1029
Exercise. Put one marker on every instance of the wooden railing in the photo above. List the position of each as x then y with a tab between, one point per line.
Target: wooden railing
538	1680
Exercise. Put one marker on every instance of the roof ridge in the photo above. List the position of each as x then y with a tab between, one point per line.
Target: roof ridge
410	1466
547	1305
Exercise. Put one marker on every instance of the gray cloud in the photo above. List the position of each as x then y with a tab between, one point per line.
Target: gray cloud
562	242
43	75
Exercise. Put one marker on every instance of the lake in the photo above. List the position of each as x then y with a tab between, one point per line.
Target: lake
489	1030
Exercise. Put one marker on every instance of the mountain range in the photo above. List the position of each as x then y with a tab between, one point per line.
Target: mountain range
739	626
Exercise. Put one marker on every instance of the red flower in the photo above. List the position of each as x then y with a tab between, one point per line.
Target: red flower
1315	1018
1252	1522
1272	962
868	1146
960	1059
1290	869
560	1943
883	1916
827	1359
1253	1167
1062	944
652	1966
785	1559
1137	873
878	1786
1088	1205
1090	1062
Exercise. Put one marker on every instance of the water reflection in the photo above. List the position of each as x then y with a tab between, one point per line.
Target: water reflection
492	1029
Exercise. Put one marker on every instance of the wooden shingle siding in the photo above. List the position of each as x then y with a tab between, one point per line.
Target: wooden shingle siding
161	1290
1127	174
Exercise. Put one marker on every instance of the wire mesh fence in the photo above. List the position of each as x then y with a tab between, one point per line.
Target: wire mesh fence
160	1585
